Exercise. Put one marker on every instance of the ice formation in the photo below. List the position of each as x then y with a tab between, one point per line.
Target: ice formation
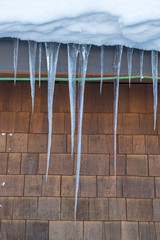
102	58
118	22
81	52
40	62
52	51
129	58
15	56
32	58
155	82
141	64
73	50
83	61
118	57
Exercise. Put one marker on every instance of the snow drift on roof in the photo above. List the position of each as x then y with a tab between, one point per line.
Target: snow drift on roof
124	22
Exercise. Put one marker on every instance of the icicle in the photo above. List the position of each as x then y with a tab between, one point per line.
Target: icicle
32	60
102	56
141	64
119	57
155	82
129	58
15	56
40	61
84	53
72	62
52	50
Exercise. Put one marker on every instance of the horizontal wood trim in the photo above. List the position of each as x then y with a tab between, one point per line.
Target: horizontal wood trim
26	74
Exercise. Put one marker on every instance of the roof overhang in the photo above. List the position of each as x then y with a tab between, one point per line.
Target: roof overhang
94	62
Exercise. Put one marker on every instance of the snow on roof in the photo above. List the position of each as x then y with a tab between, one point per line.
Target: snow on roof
124	22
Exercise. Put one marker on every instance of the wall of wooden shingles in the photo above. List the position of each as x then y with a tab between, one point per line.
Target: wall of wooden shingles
34	210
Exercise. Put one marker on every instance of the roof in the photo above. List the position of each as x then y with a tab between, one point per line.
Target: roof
124	22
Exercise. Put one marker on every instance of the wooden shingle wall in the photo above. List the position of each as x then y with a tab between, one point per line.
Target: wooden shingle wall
34	210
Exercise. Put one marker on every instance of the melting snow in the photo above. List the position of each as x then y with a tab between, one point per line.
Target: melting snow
135	24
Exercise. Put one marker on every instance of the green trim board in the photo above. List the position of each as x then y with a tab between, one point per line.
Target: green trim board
79	79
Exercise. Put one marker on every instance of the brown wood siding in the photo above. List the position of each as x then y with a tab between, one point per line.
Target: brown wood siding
32	209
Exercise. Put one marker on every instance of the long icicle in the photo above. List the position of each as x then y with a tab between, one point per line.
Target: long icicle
129	58
119	57
141	64
52	51
154	56
15	56
102	57
84	53
32	61
40	63
72	62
